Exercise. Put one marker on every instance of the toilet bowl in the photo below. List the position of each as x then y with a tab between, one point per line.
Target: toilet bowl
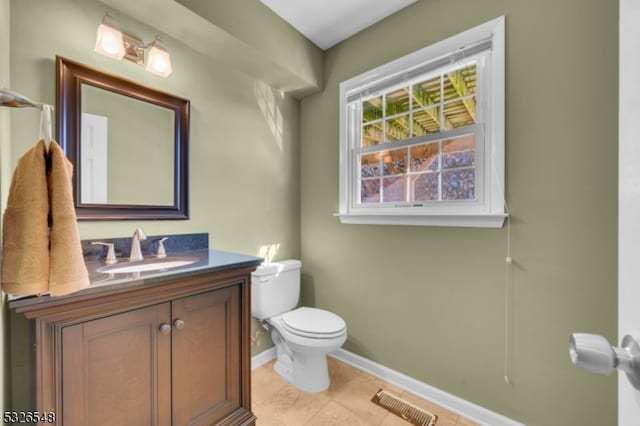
304	336
302	349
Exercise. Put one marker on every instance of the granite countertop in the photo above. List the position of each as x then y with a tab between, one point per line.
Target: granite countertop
207	261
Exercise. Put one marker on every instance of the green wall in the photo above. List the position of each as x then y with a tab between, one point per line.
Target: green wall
244	184
140	143
425	301
430	302
301	58
244	147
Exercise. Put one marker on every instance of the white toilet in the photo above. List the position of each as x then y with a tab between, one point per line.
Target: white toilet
303	336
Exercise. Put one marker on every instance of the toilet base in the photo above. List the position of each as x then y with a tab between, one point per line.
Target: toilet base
307	372
302	361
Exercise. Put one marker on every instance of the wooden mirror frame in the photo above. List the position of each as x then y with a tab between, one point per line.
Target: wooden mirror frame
70	76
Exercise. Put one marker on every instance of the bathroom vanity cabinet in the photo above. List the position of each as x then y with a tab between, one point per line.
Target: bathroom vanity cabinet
172	352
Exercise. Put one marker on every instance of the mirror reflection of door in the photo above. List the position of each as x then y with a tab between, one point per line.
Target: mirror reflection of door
139	155
93	155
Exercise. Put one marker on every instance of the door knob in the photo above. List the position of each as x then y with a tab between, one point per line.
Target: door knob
179	324
594	353
165	328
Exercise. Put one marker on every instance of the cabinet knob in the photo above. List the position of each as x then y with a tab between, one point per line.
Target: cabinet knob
165	328
179	324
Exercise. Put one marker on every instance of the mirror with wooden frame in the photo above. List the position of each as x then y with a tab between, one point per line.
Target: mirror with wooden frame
129	145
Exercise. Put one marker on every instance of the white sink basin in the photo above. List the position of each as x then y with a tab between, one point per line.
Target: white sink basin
151	264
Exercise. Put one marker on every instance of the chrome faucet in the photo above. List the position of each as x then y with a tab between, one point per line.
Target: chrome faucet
136	253
111	255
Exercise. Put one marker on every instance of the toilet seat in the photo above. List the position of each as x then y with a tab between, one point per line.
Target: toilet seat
313	323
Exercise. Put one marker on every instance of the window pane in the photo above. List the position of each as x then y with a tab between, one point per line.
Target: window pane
393	189
371	134
426	121
458	184
424	157
372	109
459	152
426	93
394	161
424	187
459	83
370	165
460	113
370	191
397	128
397	102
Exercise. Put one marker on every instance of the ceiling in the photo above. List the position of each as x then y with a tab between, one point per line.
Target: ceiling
328	22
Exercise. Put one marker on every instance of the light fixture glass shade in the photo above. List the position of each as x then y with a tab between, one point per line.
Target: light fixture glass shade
159	60
109	38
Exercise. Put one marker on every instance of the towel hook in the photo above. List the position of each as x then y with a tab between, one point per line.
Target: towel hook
45	123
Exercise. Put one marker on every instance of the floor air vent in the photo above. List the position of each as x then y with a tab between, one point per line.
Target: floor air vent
403	409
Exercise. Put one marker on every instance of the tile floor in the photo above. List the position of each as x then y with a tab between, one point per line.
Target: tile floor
346	402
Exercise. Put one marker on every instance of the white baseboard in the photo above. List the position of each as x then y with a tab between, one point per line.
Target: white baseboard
452	403
263	357
446	400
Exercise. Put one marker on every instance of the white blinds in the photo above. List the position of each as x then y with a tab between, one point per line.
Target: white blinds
377	86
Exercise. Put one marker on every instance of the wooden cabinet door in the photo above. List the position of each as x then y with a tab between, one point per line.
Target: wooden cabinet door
206	356
117	370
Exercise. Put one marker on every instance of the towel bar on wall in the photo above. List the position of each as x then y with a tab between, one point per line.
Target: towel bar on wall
10	98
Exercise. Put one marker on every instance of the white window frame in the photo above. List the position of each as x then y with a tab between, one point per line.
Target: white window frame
488	209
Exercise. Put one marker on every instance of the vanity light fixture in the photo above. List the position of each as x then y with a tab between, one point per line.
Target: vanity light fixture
109	38
159	61
112	42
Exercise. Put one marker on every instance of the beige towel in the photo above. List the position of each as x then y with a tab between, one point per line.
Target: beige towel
68	270
25	232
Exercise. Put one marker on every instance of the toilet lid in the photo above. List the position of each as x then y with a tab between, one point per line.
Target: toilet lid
313	322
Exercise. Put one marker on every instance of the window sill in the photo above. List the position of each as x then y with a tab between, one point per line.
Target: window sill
460	220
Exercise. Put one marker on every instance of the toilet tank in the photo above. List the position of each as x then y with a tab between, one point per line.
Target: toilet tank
275	288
